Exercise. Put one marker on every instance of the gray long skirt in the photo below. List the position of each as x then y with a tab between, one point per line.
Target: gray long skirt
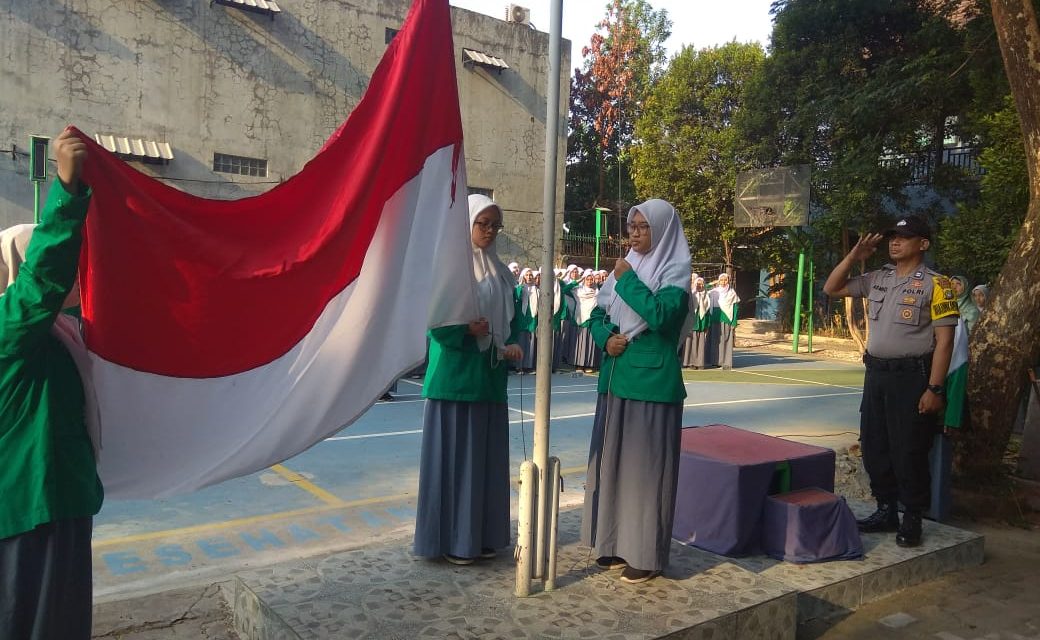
630	489
46	583
694	349
463	479
726	334
587	354
529	343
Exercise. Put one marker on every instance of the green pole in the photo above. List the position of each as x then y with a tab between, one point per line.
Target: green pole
798	300
37	169
812	285
599	232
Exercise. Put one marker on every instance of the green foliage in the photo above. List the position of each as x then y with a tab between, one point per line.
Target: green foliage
689	152
975	242
620	64
852	82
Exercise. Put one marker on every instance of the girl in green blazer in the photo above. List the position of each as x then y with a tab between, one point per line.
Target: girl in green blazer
463	506
634	454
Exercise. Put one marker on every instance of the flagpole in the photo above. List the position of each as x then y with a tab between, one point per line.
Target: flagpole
543	382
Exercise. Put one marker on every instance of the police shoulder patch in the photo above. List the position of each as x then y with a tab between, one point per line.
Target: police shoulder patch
944	300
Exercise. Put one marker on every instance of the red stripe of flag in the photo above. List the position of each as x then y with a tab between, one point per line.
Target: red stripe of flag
183	286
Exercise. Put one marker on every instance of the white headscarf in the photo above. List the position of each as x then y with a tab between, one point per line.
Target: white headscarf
667	264
586	297
528	294
724	297
494	282
700	301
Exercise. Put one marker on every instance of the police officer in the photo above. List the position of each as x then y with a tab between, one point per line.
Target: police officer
911	315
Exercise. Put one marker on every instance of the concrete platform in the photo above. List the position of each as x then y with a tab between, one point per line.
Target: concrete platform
382	592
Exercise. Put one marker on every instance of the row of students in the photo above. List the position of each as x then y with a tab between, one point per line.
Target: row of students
574	295
636	321
710	340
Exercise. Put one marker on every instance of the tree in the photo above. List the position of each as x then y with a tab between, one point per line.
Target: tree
976	241
689	151
863	91
1007	339
621	62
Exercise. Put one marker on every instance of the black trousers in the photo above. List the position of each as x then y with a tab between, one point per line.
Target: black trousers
895	438
45	582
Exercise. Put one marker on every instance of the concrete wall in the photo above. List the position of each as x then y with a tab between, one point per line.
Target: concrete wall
217	79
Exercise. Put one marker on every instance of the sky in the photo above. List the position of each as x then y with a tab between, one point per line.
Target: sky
701	23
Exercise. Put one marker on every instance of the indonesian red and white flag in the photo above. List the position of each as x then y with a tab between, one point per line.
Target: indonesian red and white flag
226	336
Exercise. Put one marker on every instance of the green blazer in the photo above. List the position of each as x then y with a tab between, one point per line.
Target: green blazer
649	368
48	471
458	371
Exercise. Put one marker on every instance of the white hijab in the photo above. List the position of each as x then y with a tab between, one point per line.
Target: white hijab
700	301
667	264
494	282
725	298
528	294
586	297
14	242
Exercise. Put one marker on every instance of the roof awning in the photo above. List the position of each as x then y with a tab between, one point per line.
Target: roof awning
469	56
267	7
135	148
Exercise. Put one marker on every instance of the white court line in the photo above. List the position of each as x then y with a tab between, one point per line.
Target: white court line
589	415
825	384
399	399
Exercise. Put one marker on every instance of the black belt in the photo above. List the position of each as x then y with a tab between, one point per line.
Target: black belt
921	363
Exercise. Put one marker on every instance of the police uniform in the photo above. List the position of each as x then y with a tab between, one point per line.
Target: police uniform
902	313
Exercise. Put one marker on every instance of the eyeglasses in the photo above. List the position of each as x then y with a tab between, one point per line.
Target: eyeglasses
641	227
493	227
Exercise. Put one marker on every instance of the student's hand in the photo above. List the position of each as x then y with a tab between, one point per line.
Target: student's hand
512	352
866	247
930	402
479	328
616	344
70	153
620	267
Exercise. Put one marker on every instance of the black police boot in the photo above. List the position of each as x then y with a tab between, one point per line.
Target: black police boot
886	518
910	531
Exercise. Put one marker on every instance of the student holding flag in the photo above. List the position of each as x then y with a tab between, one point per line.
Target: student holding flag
463	510
49	479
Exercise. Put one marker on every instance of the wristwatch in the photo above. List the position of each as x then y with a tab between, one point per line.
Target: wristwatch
937	389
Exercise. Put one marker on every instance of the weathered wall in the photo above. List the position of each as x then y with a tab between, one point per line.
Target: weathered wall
216	79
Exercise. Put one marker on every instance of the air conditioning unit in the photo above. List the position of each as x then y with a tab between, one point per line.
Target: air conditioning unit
519	15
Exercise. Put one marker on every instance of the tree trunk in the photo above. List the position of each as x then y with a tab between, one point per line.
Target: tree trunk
1006	342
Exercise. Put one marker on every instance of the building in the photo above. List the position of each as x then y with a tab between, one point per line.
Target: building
224	99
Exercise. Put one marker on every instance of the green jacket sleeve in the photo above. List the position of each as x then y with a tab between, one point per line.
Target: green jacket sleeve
454	336
657	310
29	306
601	327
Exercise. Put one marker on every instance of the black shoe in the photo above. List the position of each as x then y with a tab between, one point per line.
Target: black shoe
886	518
610	562
910	531
386	397
487	553
459	560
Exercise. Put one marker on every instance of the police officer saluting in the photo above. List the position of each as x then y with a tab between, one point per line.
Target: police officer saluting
911	314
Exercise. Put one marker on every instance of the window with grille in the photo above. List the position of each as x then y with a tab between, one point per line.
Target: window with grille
482	191
389	34
240	165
